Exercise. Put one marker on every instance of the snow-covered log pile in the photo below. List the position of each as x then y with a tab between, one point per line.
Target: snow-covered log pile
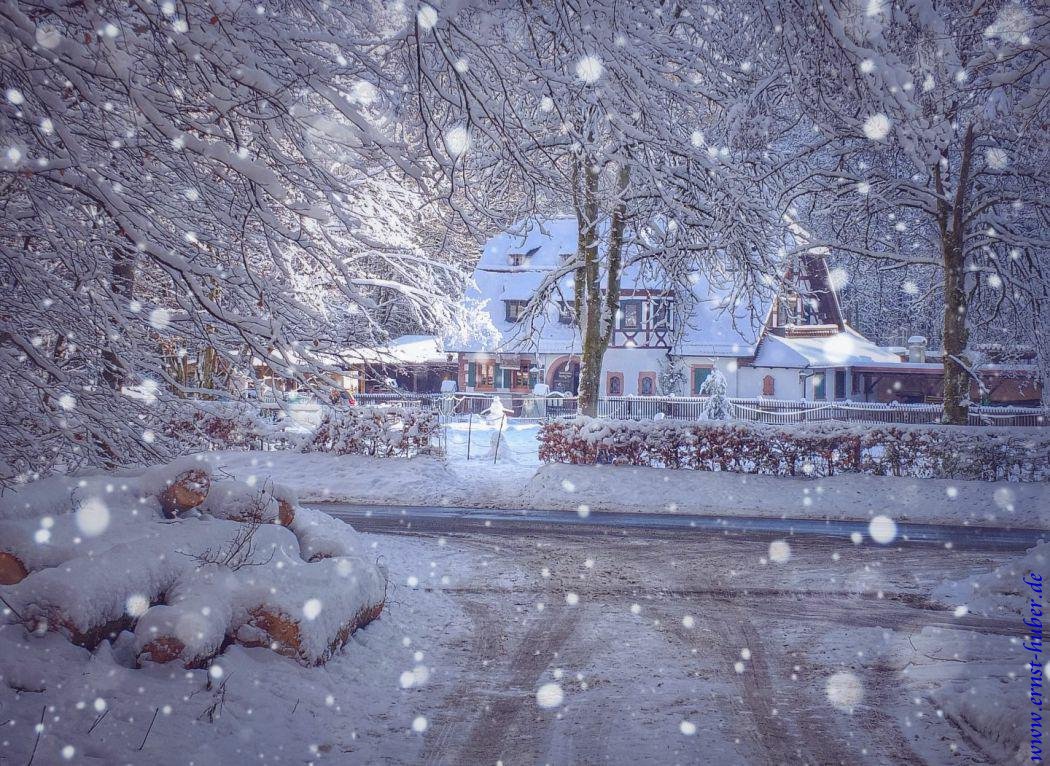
381	431
187	562
817	449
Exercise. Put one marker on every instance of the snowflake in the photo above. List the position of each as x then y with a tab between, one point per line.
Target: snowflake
997	158
688	728
457	141
877	127
589	69
427	17
549	696
48	37
882	529
779	551
136	605
844	691
312	608
419	724
92	517
160	319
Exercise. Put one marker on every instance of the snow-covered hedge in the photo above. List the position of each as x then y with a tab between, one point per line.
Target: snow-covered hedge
218	425
381	431
816	449
186	563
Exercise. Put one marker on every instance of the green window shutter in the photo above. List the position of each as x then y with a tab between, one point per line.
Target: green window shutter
508	378
472	374
699	376
533	379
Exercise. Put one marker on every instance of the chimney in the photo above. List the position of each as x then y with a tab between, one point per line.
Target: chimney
916	348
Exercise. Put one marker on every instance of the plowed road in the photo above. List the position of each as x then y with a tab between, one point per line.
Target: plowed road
648	622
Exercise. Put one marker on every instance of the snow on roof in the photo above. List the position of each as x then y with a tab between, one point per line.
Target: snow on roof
407	349
842	349
713	328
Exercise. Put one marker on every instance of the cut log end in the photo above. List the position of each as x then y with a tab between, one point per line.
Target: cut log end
186	492
12	570
162	649
285	513
282	633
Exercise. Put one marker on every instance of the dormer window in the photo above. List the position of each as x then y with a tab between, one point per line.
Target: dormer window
515	310
517	259
565	313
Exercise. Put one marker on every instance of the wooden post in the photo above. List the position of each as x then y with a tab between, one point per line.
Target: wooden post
495	452
470	423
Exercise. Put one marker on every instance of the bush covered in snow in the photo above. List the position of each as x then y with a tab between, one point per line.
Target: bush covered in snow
377	431
186	563
817	449
715	389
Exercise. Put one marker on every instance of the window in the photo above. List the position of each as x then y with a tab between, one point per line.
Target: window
646	384
515	310
615	384
631	315
661	312
699	376
769	386
840	384
517	259
565	313
820	387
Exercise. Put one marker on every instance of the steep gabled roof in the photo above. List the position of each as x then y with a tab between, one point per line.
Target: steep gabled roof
714	327
720	322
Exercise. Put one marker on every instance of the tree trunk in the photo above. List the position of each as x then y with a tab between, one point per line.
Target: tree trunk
956	338
590	302
597	308
956	332
122	286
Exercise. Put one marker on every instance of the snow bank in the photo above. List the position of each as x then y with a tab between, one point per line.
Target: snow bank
99	555
1001	592
992	697
480	484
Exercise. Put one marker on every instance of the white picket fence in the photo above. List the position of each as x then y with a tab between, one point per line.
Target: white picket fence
774	411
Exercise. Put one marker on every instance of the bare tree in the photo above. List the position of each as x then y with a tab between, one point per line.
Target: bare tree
643	123
221	184
922	141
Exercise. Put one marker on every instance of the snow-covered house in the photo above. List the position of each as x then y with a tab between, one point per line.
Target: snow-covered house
791	344
409	363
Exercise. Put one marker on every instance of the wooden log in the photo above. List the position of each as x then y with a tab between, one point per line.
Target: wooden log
283	635
12	570
285	512
188	490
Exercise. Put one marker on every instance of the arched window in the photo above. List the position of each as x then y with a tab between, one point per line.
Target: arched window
646	386
768	386
615	385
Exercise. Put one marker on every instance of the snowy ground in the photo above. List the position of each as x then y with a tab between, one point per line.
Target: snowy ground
517	480
534	645
263	707
638	638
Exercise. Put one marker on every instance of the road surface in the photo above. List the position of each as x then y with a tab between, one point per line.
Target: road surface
652	625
